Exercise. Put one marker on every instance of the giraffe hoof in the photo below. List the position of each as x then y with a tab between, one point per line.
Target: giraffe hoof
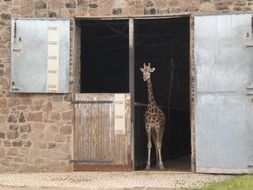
161	167
147	167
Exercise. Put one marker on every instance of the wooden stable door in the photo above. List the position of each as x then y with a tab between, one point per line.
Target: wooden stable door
102	132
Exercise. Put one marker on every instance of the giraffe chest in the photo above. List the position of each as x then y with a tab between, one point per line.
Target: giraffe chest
154	115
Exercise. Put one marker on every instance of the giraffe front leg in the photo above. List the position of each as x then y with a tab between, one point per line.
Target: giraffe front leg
153	135
149	147
159	146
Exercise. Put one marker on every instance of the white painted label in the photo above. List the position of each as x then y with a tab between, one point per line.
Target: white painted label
119	114
53	59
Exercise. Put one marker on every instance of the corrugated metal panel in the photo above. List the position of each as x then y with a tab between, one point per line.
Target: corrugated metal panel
31	43
97	140
224	110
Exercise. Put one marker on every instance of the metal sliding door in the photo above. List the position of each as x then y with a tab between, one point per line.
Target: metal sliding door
224	93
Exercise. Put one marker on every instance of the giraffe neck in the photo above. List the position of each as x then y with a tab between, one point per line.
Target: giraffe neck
151	99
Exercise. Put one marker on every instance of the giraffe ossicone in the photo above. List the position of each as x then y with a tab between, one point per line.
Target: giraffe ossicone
154	119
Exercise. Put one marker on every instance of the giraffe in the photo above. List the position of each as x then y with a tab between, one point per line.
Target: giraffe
154	119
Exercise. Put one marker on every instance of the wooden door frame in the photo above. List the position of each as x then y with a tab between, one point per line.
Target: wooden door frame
131	20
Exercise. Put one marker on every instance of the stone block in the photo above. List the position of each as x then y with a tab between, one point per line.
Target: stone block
52	128
40	5
12	119
68	115
21	117
7	143
58	98
38	102
24	136
52	14
5	162
1	72
38	126
18	159
49	137
35	116
22	108
55	116
221	6
55	5
17	143
4	82
2	152
207	7
93	5
35	153
3	102
79	12
66	130
13	101
2	135
59	138
13	127
25	128
70	5
12	152
27	144
82	3
68	97
39	160
51	145
160	4
240	3
149	3
151	11
5	16
65	148
12	134
41	13
35	108
59	106
26	101
42	145
117	11
47	107
24	151
119	4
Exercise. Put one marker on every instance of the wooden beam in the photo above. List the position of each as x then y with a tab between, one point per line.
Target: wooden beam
131	82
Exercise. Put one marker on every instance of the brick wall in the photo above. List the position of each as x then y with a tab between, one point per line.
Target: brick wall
36	129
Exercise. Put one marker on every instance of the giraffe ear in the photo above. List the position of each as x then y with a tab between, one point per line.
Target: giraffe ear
141	69
152	70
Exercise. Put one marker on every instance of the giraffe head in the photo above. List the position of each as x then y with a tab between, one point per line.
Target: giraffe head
146	70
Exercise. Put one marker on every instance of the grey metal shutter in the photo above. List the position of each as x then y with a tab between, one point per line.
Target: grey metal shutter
40	56
224	107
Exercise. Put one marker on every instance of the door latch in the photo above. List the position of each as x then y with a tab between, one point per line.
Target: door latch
13	86
249	36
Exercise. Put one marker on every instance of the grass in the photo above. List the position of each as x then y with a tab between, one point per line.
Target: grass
236	183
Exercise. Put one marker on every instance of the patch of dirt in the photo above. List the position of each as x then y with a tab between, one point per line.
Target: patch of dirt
106	180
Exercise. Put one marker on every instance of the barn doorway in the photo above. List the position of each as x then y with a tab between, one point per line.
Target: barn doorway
107	66
104	56
165	44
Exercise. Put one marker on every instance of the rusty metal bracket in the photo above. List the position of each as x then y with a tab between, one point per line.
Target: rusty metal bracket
93	102
91	161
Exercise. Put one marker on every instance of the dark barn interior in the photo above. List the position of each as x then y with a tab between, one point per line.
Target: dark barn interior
165	44
104	56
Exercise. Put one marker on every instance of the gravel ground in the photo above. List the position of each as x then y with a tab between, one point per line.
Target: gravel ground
151	180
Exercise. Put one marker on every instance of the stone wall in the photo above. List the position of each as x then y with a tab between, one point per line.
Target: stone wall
36	129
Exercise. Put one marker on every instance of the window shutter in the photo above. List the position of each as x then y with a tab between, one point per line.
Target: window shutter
40	56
